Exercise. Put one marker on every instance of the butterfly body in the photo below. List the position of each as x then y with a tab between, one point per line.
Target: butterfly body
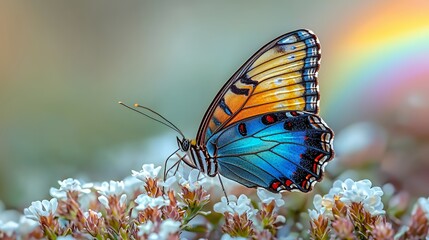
263	129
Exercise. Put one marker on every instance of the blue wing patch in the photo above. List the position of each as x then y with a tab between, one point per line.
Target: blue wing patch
278	151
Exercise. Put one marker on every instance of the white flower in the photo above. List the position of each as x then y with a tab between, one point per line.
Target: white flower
9	228
132	184
26	225
148	171
349	191
194	181
266	197
145	228
168	182
145	201
240	206
424	204
43	208
168	227
321	208
111	188
68	185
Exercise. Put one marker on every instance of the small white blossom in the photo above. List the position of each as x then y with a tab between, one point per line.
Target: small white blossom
424	204
145	228
26	225
41	208
194	181
349	191
9	227
168	182
168	227
148	171
132	184
321	208
111	188
240	206
68	185
266	197
144	201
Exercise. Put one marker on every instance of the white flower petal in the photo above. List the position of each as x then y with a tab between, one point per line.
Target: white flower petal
168	182
144	201
103	200
9	228
267	197
145	228
123	199
168	227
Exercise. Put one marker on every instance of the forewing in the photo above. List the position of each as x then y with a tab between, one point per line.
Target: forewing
285	150
280	76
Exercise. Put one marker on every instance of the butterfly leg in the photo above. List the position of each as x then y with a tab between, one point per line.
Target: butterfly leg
166	162
223	188
178	162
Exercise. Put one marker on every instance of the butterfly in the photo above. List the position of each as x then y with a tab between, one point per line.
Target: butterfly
262	129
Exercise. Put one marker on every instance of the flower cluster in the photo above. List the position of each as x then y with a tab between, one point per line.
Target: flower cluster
354	210
152	209
145	206
243	220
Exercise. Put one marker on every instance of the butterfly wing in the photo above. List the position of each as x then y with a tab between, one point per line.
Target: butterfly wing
281	76
277	151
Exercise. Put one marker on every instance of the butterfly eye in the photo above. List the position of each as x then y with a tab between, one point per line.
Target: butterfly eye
183	144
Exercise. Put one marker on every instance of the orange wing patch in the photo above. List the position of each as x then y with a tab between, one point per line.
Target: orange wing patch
281	76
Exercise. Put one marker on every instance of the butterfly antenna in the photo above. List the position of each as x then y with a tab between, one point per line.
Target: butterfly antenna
172	126
162	117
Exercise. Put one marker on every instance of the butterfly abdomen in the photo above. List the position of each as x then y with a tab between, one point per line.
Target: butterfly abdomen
202	160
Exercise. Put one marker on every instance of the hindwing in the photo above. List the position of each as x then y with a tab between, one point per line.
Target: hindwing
285	150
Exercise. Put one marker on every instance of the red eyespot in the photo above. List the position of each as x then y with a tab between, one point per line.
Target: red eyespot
288	183
269	119
288	126
242	129
275	185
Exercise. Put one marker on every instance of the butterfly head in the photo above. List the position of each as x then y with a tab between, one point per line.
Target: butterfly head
184	144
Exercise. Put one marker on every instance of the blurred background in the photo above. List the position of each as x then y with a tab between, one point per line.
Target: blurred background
64	65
